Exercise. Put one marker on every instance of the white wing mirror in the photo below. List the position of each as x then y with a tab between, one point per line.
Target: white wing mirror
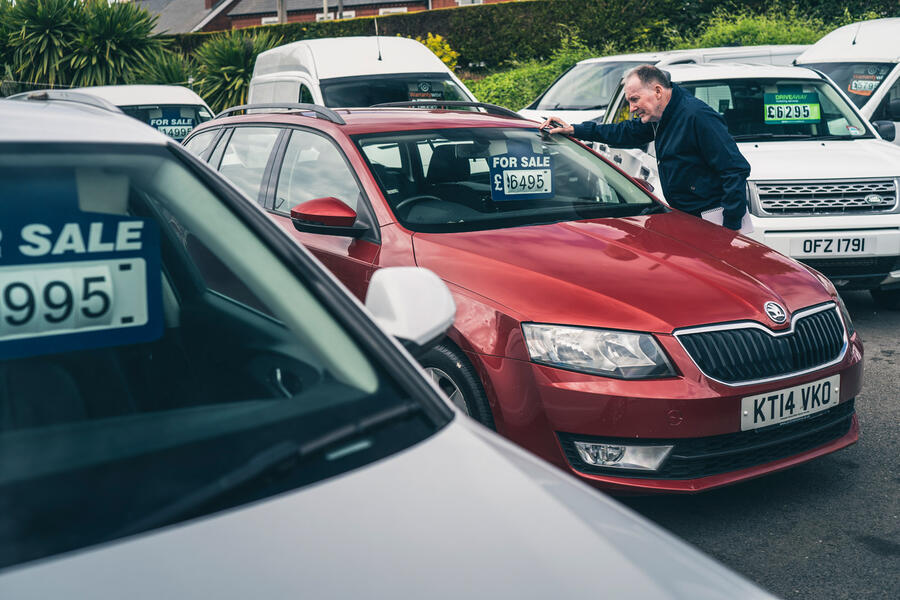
412	304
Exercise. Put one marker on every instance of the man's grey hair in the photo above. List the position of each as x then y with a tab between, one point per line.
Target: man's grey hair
650	75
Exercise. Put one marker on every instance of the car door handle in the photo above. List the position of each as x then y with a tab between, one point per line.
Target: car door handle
602	147
645	173
617	159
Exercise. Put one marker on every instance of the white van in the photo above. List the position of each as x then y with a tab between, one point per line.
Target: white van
353	71
171	109
863	59
583	92
823	185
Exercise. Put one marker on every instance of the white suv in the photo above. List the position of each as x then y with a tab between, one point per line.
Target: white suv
823	185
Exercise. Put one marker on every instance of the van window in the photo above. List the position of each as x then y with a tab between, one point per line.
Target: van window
858	80
174	120
368	90
882	112
306	96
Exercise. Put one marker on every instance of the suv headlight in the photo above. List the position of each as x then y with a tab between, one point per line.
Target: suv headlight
620	354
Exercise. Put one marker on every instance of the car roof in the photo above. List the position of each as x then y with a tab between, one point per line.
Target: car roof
376	119
721	52
706	72
867	41
128	95
371	56
64	121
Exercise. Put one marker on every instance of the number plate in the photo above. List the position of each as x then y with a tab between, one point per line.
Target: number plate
526	181
72	297
178	132
833	246
789	404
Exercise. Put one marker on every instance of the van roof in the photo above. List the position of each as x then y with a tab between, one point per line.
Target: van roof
709	72
131	95
722	52
867	41
326	58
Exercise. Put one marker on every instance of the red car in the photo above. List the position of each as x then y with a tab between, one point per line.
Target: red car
638	347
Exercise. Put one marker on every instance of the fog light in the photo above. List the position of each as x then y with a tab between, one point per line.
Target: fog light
621	456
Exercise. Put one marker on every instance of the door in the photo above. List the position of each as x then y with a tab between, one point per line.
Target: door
313	166
883	112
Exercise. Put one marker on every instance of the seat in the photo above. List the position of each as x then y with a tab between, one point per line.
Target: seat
447	167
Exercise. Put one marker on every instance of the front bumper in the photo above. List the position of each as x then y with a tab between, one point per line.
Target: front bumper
546	409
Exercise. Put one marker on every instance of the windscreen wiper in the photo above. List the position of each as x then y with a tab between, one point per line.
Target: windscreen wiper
281	458
773	136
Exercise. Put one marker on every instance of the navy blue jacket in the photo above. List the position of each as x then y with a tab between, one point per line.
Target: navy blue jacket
700	166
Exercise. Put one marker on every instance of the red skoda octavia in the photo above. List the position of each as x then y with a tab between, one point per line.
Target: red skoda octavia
637	347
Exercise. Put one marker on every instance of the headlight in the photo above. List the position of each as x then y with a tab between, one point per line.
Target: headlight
845	314
621	354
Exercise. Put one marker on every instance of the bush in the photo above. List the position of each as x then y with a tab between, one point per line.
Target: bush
225	65
115	41
441	49
775	26
42	32
519	86
165	67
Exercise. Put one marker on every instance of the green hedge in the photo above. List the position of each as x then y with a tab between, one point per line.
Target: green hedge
498	34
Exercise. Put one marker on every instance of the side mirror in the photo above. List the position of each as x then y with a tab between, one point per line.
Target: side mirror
886	129
645	184
412	304
328	216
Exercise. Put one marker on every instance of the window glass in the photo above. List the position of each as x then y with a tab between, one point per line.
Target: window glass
369	90
858	80
246	155
134	395
306	96
314	167
780	109
200	143
490	178
585	86
621	112
174	120
893	94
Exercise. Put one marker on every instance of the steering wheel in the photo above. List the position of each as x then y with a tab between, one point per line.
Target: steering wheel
414	199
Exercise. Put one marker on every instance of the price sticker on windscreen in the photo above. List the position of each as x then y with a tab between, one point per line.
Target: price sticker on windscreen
521	176
72	279
173	124
791	107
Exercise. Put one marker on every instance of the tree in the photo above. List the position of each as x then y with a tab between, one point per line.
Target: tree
225	65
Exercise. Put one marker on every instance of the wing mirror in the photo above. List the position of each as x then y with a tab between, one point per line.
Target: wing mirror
886	129
327	216
412	304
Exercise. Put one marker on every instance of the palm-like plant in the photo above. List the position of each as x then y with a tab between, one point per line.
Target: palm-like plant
41	34
115	41
165	67
225	65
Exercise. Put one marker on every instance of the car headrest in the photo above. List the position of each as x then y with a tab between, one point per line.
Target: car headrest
446	165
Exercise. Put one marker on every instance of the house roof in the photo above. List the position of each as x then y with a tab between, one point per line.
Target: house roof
255	7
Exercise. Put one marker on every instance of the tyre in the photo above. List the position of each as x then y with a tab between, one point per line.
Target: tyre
449	368
889	299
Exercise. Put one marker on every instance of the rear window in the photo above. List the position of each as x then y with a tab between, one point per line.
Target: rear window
174	120
370	90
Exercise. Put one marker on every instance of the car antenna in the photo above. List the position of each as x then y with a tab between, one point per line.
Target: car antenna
377	41
858	27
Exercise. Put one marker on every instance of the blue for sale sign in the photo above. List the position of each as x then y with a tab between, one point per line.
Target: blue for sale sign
521	175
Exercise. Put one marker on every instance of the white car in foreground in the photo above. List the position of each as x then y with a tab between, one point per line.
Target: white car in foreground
192	407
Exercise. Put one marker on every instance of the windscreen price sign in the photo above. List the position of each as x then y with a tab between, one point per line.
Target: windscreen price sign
73	280
790	108
521	177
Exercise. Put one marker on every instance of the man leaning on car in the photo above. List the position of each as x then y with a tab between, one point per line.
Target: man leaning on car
700	166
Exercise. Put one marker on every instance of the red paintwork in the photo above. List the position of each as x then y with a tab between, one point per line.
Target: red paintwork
325	211
653	273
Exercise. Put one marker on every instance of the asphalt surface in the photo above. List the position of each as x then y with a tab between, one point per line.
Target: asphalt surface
826	529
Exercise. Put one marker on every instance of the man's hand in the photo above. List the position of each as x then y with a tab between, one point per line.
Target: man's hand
557	125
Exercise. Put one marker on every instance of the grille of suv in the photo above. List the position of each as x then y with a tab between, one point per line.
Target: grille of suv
700	457
808	198
743	353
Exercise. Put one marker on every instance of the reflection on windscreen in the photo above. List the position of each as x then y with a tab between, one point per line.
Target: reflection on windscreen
158	362
585	86
760	109
367	91
174	120
858	80
491	178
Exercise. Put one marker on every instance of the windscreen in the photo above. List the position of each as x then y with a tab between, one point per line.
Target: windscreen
585	86
158	361
492	178
780	109
370	90
859	80
174	120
